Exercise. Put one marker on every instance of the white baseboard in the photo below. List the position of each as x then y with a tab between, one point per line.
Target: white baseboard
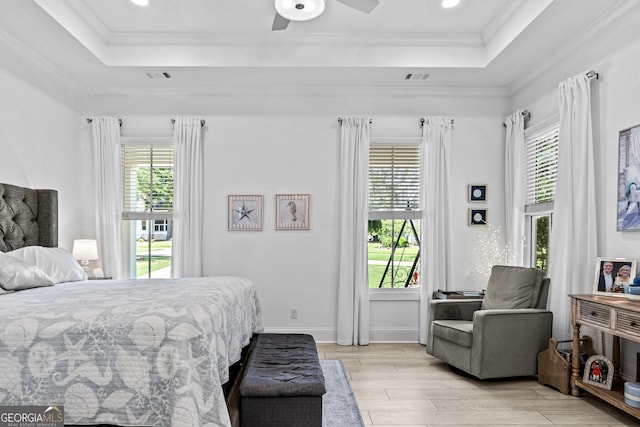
320	335
391	335
378	335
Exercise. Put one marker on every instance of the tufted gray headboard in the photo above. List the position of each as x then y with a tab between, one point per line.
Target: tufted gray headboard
27	217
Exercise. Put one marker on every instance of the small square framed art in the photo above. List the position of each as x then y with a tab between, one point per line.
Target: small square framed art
477	193
292	211
244	212
477	217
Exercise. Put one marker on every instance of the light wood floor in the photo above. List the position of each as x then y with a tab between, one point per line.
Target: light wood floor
399	384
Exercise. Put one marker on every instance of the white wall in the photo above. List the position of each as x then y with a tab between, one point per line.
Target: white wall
269	144
289	144
40	148
615	56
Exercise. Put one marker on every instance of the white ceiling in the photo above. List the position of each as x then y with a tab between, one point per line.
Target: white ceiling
217	46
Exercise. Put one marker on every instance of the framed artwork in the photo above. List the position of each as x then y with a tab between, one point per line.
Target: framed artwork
477	216
598	371
477	192
292	211
628	206
613	276
244	212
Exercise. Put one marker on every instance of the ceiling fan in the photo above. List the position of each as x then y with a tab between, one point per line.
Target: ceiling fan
305	10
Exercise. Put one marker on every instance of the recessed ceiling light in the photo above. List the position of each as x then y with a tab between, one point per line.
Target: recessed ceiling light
450	3
140	2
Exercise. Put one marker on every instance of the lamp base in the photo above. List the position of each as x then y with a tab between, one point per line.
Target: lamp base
85	265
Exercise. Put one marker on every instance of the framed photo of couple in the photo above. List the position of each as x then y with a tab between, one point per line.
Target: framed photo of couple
613	276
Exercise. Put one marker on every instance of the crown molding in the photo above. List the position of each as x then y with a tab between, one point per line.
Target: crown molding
621	14
302	91
215	39
35	61
514	20
79	21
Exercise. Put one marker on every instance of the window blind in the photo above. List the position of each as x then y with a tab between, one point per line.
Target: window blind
147	181
541	166
394	177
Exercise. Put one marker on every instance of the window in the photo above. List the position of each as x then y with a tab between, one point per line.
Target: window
148	208
395	204
541	169
160	226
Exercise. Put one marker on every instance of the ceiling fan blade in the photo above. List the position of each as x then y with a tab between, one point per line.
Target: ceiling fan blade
365	6
279	23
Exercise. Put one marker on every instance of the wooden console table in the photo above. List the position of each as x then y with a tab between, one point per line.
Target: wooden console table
614	315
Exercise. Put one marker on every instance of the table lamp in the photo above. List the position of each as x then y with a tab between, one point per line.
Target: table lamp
85	250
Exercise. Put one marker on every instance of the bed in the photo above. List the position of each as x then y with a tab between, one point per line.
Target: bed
116	352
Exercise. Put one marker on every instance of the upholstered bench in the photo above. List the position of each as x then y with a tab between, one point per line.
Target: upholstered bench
282	385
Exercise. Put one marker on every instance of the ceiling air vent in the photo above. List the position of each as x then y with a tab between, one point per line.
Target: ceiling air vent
158	75
416	76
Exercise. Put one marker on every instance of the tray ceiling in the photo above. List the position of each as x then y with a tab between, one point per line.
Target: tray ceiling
106	46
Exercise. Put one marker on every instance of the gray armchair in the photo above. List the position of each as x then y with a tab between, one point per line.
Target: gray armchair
499	336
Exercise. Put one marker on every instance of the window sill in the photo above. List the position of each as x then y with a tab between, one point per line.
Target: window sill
411	294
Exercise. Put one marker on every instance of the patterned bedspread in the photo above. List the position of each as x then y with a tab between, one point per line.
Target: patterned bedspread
130	353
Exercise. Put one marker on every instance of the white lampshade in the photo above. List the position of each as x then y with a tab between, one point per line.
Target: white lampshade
85	249
299	10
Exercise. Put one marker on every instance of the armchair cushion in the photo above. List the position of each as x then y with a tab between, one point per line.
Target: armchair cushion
512	287
458	331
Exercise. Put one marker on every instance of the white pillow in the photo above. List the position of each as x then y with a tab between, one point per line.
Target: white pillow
57	263
16	275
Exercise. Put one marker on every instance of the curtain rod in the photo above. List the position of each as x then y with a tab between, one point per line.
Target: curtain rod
91	121
202	122
524	113
340	119
590	75
422	119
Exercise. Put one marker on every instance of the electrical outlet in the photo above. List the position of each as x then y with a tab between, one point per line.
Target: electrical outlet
293	313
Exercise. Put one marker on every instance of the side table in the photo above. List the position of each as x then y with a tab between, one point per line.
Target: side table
613	315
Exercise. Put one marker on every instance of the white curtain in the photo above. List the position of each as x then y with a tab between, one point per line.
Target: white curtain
188	197
573	246
514	187
353	285
436	229
106	143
